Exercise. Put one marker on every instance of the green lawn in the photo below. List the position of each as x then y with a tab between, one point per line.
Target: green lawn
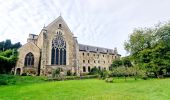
89	89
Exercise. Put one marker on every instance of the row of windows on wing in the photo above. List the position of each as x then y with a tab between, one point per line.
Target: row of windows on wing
84	61
97	55
58	52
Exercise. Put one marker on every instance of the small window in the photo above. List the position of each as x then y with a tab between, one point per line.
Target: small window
84	69
88	68
103	55
98	61
94	55
60	25
83	61
83	54
104	62
87	54
88	61
94	61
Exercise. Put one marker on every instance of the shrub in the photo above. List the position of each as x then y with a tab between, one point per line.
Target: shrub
129	71
109	80
69	73
24	74
103	74
56	72
3	82
94	71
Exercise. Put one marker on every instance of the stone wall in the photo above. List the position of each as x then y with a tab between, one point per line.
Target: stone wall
95	59
23	51
68	37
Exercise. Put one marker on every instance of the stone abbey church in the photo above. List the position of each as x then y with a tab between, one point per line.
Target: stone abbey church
56	47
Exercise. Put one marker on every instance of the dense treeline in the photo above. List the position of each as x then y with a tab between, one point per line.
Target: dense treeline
8	55
5	45
149	49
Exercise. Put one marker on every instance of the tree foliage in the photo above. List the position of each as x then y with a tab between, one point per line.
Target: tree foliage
5	45
124	61
149	48
129	71
7	63
94	71
8	55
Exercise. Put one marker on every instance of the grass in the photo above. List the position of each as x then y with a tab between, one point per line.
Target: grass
89	89
19	80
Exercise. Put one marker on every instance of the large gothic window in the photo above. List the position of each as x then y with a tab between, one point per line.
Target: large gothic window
29	59
58	52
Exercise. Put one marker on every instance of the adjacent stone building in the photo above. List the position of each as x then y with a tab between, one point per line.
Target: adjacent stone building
56	47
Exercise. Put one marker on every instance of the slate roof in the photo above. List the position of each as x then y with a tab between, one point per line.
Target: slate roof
83	47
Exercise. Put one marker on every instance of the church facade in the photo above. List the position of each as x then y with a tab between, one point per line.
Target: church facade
56	47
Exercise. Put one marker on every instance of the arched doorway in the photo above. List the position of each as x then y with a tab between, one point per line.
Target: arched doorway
18	71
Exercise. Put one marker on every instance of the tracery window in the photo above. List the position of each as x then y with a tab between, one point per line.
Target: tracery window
58	52
29	59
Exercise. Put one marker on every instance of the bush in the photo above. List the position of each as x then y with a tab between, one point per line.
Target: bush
69	73
56	72
103	74
94	71
109	80
24	74
3	82
144	78
129	71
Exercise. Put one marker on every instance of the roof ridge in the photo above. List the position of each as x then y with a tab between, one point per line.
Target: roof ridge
95	46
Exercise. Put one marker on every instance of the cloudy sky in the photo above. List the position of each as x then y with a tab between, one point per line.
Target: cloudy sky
104	23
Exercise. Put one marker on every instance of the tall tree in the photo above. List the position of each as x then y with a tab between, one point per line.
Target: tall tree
150	48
